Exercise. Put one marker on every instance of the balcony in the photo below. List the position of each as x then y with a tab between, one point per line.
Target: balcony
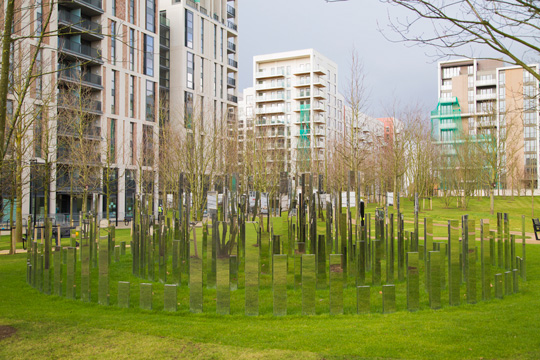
486	82
302	71
490	96
270	122
192	4
232	98
164	82
271	110
163	21
88	132
73	103
231	11
319	95
319	119
302	95
231	47
271	85
77	50
89	29
231	82
233	63
302	83
270	98
318	107
164	62
76	76
231	25
302	108
319	71
90	7
203	11
318	82
267	74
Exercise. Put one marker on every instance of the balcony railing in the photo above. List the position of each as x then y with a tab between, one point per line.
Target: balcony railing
203	10
192	4
71	102
231	46
164	21
279	97
93	3
231	11
67	17
165	62
80	49
231	82
164	82
232	25
233	63
232	98
89	132
75	75
164	41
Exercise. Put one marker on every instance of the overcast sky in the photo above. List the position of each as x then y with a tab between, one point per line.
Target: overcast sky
393	70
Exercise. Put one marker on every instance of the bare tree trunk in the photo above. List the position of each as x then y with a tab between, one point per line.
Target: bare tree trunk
4	73
18	214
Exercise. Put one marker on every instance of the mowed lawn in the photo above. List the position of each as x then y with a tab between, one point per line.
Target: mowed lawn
53	327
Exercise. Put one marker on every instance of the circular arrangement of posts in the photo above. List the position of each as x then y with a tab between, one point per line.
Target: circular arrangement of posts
308	261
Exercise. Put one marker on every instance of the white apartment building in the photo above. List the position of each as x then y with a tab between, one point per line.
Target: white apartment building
297	107
485	97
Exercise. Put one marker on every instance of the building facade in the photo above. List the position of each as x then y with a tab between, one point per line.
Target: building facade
484	99
297	107
113	72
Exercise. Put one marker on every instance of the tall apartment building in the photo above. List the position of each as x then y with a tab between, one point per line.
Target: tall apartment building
297	107
485	98
122	68
203	58
103	63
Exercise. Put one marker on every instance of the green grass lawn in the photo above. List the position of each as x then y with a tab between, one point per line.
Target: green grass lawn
53	327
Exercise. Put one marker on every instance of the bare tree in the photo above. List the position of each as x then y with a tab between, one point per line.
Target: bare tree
509	28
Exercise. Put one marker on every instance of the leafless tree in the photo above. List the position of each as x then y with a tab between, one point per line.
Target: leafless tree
506	27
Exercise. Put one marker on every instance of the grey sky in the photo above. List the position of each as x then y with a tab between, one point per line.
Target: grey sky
393	70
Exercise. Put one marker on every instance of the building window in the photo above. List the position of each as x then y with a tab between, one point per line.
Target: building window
150	101
132	11
113	4
113	42
132	49
188	109
150	15
148	55
221	84
112	140
215	41
215	79
221	46
39	17
202	74
202	36
38	128
189	29
39	70
132	143
132	96
148	145
113	92
190	70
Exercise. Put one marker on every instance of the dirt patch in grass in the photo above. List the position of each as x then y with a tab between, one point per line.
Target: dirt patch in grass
6	331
